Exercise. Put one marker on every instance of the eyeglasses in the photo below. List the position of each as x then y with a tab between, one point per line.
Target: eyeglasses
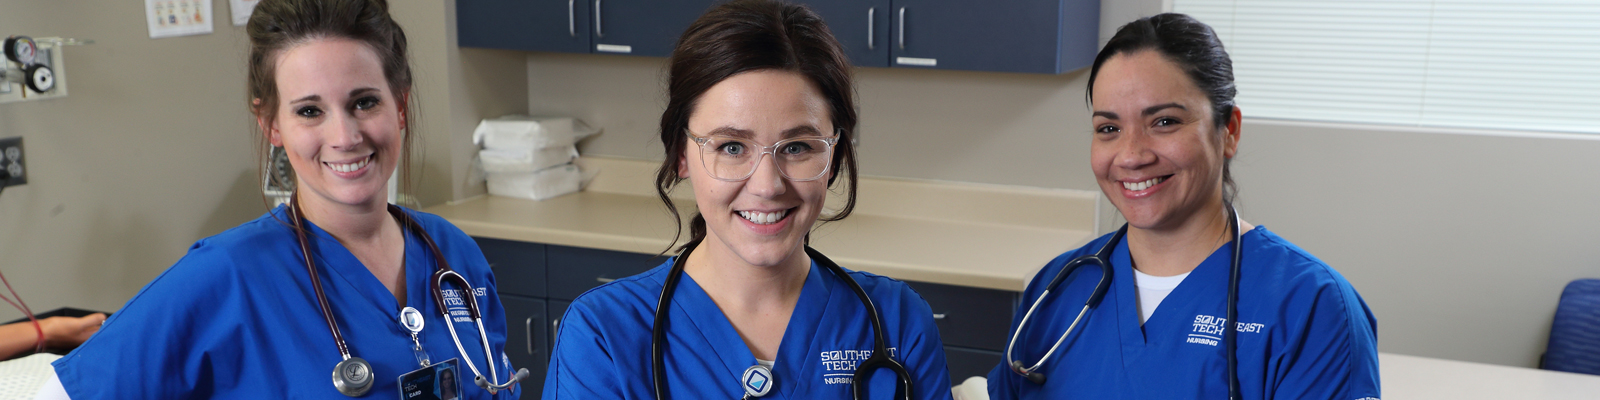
733	159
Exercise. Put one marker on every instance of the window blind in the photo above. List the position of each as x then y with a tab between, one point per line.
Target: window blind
1529	65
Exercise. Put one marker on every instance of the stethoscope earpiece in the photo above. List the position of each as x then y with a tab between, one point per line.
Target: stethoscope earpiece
1035	377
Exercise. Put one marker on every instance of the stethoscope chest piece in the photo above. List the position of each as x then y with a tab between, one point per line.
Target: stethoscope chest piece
757	381
353	377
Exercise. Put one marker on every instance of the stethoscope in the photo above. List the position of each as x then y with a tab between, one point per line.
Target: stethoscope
1102	259
757	380
353	376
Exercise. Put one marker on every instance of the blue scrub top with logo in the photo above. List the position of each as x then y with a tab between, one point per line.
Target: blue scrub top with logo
237	318
603	348
1303	332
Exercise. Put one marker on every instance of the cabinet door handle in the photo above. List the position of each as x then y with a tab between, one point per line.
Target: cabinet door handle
937	317
870	11
572	20
603	279
598	31
902	27
529	335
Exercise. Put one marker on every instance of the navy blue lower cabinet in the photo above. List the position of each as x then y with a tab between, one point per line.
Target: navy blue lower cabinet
529	25
1049	37
558	309
969	317
574	270
527	341
519	267
966	363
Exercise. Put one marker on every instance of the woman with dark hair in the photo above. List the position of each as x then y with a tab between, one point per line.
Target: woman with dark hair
338	284
759	119
1242	312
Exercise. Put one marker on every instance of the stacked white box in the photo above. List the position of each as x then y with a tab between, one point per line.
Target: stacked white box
530	157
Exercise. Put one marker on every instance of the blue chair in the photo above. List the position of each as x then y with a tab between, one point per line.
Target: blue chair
1575	334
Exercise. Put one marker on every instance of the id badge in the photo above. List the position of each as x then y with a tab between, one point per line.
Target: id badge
435	382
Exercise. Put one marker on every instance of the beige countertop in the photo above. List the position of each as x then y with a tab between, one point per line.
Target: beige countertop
985	236
1411	377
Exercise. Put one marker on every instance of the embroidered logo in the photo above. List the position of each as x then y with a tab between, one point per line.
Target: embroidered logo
839	366
1208	329
458	306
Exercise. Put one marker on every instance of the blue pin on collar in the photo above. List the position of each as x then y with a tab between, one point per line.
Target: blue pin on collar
757	380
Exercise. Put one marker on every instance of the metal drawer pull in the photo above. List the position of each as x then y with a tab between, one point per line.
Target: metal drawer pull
572	20
603	279
870	11
598	31
938	316
902	27
529	325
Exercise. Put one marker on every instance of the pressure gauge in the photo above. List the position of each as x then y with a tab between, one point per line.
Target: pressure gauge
21	49
39	78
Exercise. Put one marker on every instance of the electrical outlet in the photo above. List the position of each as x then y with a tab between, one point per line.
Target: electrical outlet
12	161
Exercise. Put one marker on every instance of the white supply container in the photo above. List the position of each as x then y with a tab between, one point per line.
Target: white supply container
529	133
538	185
499	161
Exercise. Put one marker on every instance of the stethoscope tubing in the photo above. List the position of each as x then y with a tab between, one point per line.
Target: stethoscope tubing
316	282
1102	259
444	273
1230	334
880	354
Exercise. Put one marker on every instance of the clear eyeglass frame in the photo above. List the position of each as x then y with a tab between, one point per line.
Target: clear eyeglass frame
761	152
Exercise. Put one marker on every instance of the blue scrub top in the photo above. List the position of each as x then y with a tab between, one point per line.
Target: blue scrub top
603	347
237	318
1303	332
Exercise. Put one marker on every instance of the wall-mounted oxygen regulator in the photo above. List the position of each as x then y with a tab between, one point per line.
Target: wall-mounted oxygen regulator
33	69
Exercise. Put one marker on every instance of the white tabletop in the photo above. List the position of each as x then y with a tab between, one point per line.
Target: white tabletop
22	377
1411	377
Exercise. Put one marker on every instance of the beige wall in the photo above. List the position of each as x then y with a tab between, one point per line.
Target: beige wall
458	87
151	150
1460	243
948	125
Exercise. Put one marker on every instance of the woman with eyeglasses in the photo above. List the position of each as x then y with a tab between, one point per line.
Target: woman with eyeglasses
1186	301
759	119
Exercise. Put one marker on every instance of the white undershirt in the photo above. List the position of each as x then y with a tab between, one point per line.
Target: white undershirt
766	363
1153	289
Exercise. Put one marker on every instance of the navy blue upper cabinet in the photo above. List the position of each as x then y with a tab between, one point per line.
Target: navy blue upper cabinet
861	26
1008	36
1033	36
531	25
642	27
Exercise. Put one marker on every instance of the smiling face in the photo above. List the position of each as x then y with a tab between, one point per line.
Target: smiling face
1157	152
761	220
338	121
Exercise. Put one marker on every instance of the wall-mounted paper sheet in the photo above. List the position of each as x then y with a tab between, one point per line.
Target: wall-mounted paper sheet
168	18
241	10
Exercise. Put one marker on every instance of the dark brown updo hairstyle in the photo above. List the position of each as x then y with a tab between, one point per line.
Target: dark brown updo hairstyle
1195	48
750	35
277	25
